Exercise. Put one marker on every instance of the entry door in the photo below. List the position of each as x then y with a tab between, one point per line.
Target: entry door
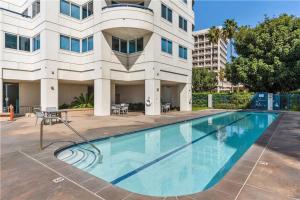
11	96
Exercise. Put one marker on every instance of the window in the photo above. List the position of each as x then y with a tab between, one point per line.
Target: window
132	46
75	11
125	46
90	8
140	44
182	52
84	11
75	45
64	7
184	1
36	43
166	46
24	43
64	42
35	8
182	23
90	43
166	13
11	41
87	44
115	44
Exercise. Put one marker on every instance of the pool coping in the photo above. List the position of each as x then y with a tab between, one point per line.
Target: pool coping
228	188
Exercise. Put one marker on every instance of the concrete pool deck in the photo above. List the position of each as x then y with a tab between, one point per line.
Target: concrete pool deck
270	169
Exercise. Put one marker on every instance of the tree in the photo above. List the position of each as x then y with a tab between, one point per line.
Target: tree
204	80
229	29
214	35
268	55
222	75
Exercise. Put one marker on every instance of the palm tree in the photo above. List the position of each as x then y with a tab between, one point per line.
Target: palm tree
214	35
229	28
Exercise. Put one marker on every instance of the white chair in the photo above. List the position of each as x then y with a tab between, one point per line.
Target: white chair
115	109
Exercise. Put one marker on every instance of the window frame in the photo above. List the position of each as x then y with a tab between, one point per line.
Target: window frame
169	13
17	40
36	4
184	51
69	42
167	45
79	10
183	22
127	45
39	42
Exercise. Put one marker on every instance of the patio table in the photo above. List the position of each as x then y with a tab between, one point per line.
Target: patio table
55	113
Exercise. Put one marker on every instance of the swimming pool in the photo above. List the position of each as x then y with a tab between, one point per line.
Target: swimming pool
176	159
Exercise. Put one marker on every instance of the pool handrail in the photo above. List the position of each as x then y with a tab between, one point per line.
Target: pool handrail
72	129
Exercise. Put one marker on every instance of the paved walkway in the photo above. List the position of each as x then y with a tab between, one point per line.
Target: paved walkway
270	169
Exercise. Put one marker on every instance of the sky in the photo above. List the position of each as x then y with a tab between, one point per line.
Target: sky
213	12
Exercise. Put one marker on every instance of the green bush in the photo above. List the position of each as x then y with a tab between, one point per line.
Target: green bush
224	100
83	101
200	99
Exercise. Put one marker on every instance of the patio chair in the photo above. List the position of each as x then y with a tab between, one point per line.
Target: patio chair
168	107
38	114
163	108
124	108
115	109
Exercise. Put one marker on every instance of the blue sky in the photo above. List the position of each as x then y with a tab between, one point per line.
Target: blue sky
213	12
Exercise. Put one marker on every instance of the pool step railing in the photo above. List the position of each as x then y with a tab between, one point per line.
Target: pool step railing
99	155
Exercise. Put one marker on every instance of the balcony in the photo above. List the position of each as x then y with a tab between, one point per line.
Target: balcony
127	21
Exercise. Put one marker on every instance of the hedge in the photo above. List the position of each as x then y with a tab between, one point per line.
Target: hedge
224	100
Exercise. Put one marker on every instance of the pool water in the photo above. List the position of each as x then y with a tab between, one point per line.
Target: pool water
177	159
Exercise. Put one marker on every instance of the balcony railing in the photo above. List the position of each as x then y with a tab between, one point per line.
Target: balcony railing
127	5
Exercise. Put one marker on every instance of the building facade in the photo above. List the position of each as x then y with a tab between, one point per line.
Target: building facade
129	51
203	52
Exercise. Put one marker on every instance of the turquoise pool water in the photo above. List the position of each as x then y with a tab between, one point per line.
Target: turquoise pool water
176	159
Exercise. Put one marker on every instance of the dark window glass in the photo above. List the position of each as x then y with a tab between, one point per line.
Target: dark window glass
182	23
163	11
163	45
75	11
90	43
123	46
75	45
35	8
84	45
36	43
170	47
185	25
140	44
24	43
84	11
90	8
64	7
170	15
132	47
64	42
115	44
10	41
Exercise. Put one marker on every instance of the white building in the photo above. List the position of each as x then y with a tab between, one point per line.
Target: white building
127	51
202	55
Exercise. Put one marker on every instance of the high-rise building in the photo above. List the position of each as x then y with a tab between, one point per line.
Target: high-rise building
203	52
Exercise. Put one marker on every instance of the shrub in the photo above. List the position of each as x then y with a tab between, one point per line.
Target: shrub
82	101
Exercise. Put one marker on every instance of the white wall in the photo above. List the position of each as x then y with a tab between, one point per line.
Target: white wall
67	92
29	93
131	93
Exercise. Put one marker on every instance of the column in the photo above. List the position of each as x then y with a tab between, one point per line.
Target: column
185	93
49	93
209	101
270	101
102	97
152	97
113	93
1	95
